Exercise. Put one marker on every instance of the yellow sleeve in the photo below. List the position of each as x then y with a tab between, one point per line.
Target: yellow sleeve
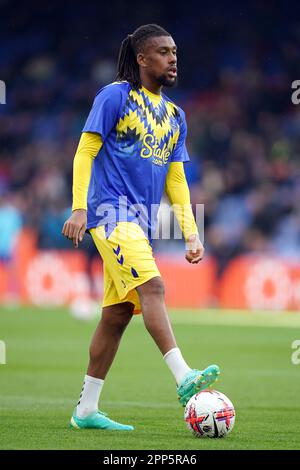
89	145
178	192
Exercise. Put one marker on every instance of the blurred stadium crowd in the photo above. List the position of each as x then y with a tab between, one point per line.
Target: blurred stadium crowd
236	67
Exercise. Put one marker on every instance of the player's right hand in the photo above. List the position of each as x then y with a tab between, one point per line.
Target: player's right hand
195	249
74	227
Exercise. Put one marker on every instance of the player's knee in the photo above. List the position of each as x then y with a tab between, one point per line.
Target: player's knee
117	317
154	287
120	322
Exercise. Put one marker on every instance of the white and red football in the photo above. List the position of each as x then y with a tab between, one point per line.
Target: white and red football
209	414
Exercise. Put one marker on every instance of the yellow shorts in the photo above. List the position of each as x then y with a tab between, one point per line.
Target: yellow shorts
128	262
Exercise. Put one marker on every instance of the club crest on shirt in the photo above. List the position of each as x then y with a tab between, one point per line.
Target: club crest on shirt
173	123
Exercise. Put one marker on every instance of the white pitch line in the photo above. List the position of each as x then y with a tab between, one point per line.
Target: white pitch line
239	318
24	401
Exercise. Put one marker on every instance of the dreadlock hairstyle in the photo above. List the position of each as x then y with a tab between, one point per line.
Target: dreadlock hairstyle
128	68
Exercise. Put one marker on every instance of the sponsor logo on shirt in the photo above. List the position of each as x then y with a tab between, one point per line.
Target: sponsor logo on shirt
151	148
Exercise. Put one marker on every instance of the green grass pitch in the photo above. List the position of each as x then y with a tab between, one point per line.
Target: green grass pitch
47	353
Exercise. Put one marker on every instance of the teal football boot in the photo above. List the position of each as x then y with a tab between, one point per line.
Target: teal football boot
98	420
195	381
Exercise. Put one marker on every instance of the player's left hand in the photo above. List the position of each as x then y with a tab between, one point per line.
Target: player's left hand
74	227
195	249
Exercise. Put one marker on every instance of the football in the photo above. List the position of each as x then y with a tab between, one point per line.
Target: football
209	414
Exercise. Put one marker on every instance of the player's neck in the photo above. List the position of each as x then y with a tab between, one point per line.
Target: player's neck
152	87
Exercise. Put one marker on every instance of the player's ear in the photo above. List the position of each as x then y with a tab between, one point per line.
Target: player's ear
141	60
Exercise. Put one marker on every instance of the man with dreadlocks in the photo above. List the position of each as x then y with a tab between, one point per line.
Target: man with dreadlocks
132	148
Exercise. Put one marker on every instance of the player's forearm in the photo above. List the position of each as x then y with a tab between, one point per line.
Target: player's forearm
88	148
178	193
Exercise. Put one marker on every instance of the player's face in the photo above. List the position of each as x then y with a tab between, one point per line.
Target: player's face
159	60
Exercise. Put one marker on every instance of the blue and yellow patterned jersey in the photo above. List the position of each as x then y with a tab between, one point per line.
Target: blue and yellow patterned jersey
142	133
